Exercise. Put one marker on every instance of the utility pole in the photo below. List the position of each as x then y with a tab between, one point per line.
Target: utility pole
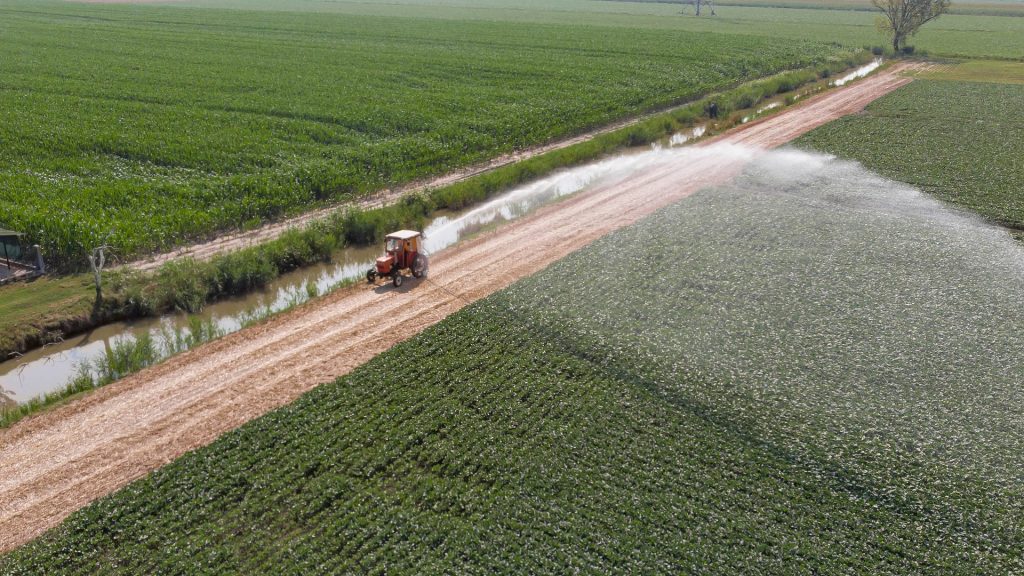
698	3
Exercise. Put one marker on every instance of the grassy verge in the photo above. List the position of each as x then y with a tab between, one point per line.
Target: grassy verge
759	407
959	141
50	308
43	310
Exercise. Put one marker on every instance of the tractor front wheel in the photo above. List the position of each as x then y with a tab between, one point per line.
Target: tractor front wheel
371	276
397	280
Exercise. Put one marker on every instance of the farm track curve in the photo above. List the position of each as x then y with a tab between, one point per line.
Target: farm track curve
60	460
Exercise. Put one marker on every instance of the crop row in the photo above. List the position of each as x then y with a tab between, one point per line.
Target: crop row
804	380
489	455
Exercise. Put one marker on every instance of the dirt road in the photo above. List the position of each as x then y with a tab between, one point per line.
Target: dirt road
60	460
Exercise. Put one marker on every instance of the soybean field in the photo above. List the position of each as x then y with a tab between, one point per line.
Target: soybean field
957	140
812	370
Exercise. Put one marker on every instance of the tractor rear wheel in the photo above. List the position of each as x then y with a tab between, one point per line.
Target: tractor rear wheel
419	266
371	276
397	280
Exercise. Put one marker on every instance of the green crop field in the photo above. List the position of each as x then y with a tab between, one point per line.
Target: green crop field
996	7
952	35
813	371
959	141
146	126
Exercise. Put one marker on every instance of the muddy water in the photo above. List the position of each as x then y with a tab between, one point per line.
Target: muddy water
50	369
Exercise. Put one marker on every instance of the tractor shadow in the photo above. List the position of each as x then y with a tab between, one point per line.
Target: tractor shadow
409	284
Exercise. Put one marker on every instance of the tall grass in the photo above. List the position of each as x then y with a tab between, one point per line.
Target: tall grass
129	355
187	285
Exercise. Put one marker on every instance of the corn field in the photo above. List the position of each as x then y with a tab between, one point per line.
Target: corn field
146	128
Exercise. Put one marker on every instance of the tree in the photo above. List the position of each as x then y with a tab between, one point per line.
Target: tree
902	18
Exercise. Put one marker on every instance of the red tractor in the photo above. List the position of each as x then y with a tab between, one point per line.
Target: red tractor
403	252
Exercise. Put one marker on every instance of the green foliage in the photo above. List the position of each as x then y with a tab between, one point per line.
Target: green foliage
130	355
312	290
752	94
186	285
182	285
782	399
132	295
959	141
269	113
126	356
364	227
240	272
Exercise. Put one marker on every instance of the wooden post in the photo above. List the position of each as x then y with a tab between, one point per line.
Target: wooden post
40	266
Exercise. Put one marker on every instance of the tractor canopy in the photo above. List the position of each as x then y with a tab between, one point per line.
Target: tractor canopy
403	235
407	241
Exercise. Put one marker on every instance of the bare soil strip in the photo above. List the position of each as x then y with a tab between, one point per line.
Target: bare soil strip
56	462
